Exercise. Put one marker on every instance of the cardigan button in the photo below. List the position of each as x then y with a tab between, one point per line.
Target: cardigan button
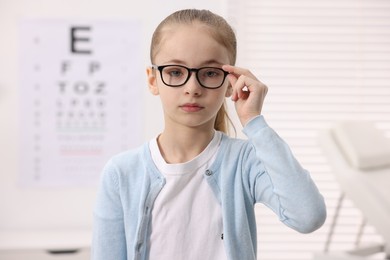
209	173
139	246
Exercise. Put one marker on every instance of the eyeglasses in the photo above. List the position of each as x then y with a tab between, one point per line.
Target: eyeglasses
178	75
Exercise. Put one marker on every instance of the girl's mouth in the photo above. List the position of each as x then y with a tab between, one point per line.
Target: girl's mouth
191	107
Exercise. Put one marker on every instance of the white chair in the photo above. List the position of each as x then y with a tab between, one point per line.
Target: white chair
359	155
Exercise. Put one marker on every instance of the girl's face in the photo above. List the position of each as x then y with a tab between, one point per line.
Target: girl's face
191	104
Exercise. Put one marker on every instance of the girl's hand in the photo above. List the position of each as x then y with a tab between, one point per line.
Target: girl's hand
248	92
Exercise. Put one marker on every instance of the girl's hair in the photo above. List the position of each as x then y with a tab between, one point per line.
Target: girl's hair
221	31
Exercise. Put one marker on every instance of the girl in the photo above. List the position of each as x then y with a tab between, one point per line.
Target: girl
190	192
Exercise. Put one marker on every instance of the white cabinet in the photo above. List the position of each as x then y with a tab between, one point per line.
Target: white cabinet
35	254
45	244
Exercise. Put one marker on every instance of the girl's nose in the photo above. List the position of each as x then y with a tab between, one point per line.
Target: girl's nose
192	86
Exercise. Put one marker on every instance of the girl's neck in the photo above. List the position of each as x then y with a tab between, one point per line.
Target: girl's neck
184	145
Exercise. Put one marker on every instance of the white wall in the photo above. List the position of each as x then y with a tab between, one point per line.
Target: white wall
44	209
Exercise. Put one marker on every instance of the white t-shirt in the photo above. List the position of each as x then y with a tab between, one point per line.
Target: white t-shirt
186	216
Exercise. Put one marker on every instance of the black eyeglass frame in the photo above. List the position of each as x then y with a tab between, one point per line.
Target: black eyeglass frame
190	70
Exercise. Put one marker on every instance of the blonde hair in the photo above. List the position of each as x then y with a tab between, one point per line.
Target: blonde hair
222	33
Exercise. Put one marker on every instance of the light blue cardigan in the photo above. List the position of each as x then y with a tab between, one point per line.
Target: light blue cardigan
261	169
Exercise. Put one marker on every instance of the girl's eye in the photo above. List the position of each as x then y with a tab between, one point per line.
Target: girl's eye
174	72
211	73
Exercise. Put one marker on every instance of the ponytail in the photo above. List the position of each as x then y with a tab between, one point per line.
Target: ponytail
223	120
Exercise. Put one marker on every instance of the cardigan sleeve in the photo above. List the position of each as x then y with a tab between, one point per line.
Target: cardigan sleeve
282	184
109	240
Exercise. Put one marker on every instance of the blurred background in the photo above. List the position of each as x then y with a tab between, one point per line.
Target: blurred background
73	92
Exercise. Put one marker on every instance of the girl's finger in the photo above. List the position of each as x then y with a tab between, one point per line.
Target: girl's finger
240	87
246	85
237	71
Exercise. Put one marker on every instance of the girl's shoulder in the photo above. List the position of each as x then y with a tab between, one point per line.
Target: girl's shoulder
233	141
131	160
130	154
233	145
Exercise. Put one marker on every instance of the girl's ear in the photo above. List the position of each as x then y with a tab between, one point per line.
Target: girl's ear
152	81
229	91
